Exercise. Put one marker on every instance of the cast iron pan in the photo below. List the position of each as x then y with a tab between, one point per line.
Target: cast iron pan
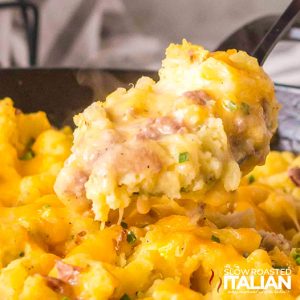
61	93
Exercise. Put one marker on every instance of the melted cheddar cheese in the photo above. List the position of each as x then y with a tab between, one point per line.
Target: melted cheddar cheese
209	118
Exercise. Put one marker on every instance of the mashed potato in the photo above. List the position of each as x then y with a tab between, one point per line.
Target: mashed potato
165	246
209	118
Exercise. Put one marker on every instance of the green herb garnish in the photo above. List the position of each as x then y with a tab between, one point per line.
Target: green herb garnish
215	239
245	108
251	179
279	267
296	257
125	297
30	143
183	156
139	293
28	155
21	254
65	298
131	238
124	225
230	105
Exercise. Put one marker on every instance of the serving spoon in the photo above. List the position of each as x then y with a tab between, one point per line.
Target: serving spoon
280	27
259	37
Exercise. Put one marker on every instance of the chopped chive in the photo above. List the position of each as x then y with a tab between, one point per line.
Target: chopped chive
251	179
125	297
124	225
139	294
245	108
21	254
28	155
215	239
296	254
131	238
183	156
296	257
65	298
279	267
46	206
230	105
30	143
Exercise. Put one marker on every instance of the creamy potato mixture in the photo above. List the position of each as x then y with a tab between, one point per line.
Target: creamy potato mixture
207	120
156	194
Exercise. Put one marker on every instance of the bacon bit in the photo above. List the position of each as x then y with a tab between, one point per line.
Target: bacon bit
220	284
121	237
294	174
67	273
73	183
211	277
79	236
160	126
199	97
82	233
18	111
58	286
192	56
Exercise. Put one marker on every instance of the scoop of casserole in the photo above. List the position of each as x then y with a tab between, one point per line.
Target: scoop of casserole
207	120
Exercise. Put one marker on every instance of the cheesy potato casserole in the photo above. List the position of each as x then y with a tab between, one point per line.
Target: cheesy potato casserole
209	118
157	193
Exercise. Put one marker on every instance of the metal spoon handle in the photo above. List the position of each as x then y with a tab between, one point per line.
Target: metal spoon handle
276	32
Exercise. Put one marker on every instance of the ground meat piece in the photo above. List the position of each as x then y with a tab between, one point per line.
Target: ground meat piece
236	219
79	236
270	240
145	158
294	174
67	273
267	113
197	214
199	97
58	286
118	241
160	126
73	181
240	124
241	150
